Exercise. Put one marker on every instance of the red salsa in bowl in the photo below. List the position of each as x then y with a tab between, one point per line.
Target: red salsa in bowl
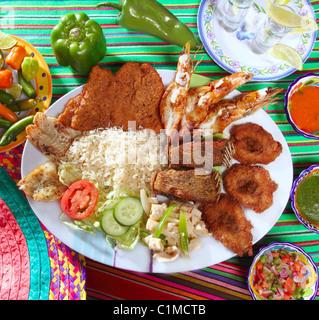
302	105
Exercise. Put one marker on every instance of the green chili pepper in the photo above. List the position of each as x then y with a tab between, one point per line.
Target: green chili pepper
150	16
182	227
27	86
15	129
163	220
23	105
30	68
78	42
5	124
6	98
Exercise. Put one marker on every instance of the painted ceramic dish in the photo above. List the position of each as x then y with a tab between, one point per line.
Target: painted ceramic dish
307	265
231	50
43	85
302	214
302	83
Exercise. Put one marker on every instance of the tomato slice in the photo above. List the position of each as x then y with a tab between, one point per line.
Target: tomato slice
80	199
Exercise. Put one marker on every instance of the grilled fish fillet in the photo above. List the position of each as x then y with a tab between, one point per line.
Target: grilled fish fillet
199	154
50	136
190	185
43	184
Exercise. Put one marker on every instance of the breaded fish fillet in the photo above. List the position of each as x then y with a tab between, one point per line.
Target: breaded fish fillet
133	93
227	222
50	136
42	184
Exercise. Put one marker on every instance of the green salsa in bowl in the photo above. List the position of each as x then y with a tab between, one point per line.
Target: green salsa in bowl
305	198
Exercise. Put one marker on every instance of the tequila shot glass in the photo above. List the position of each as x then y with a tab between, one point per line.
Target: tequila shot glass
234	14
268	34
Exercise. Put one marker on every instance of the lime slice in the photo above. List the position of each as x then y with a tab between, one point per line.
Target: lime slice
287	54
15	90
6	41
281	2
285	17
311	26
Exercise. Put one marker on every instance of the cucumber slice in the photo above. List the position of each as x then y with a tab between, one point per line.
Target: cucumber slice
128	211
109	225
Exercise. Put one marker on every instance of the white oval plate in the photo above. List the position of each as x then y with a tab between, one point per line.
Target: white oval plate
139	259
231	50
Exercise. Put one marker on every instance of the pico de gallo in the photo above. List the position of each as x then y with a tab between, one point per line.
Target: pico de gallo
280	275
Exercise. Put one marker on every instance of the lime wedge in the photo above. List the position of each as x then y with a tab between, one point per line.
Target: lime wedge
6	41
15	90
285	17
281	2
287	54
311	26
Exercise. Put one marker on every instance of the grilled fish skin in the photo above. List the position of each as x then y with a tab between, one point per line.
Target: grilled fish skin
193	185
199	154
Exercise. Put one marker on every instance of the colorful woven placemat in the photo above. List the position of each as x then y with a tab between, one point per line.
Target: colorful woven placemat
34	264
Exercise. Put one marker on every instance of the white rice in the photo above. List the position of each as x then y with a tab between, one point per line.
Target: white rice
122	160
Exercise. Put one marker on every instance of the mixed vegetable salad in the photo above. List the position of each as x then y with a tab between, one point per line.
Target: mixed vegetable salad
90	208
168	229
281	275
11	104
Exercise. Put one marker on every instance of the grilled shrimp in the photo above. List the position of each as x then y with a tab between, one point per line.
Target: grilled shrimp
227	111
202	98
174	100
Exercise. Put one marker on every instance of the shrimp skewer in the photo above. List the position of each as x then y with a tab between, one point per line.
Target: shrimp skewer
202	98
174	100
227	111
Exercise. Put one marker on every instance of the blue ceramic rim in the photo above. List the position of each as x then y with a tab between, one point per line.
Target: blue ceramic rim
294	247
307	224
231	70
286	103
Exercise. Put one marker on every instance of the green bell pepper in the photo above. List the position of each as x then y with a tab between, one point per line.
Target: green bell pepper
150	16
78	42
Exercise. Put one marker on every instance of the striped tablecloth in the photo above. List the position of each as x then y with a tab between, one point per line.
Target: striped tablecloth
33	20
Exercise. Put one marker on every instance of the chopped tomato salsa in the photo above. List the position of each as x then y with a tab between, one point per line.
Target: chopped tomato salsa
280	275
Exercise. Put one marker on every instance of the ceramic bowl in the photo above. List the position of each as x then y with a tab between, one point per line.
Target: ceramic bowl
304	174
312	270
43	85
308	79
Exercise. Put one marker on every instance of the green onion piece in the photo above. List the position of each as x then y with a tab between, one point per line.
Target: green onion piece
163	219
182	227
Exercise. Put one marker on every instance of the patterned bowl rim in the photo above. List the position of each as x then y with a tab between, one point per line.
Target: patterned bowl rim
287	245
306	223
286	104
